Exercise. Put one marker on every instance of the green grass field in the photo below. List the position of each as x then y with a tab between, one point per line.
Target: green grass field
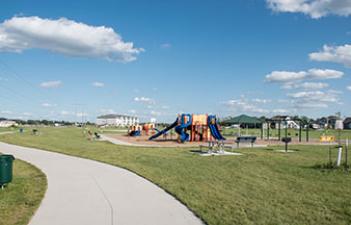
5	129
20	199
260	187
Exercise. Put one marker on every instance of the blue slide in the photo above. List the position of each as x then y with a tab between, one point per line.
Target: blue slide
181	129
164	131
212	124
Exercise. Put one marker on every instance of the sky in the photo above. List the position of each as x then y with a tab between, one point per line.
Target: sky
69	60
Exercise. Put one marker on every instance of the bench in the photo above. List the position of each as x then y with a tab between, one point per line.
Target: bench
245	139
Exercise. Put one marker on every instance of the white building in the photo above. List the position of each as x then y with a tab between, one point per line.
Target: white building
117	120
7	123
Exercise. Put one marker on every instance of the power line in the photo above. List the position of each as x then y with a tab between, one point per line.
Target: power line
15	94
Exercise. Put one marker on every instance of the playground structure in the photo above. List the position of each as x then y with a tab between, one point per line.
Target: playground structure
283	125
194	128
138	130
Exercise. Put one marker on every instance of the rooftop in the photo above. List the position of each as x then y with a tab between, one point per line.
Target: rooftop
113	116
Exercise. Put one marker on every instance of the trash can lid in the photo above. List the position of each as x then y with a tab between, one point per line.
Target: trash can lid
6	156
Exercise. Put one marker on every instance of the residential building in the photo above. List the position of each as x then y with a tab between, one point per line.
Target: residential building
7	123
117	120
347	123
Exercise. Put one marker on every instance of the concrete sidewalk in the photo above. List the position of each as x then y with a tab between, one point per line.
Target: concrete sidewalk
85	192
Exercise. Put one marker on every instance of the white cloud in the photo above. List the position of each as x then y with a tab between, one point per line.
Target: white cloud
132	111
107	111
314	99
8	112
155	113
305	85
338	54
65	36
324	74
285	76
262	101
165	45
144	100
315	96
98	84
245	106
65	113
349	88
318	74
51	84
313	8
165	107
81	114
48	105
280	111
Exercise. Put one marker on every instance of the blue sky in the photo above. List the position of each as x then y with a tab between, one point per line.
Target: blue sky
165	57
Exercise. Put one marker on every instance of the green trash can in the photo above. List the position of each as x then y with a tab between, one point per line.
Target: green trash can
6	169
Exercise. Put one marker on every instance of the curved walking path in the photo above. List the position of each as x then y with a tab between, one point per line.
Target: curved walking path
86	192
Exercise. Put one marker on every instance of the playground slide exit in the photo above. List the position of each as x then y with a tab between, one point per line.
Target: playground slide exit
213	125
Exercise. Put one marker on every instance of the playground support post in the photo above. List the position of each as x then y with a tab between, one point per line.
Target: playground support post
262	131
268	125
279	127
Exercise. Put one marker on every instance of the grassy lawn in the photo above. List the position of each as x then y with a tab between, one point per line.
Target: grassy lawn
5	129
21	198
260	187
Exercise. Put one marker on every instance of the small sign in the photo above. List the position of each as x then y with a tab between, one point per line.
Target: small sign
339	125
325	138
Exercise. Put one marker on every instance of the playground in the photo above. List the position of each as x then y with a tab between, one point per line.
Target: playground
188	130
191	130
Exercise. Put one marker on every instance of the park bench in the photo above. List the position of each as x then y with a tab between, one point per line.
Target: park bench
245	139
